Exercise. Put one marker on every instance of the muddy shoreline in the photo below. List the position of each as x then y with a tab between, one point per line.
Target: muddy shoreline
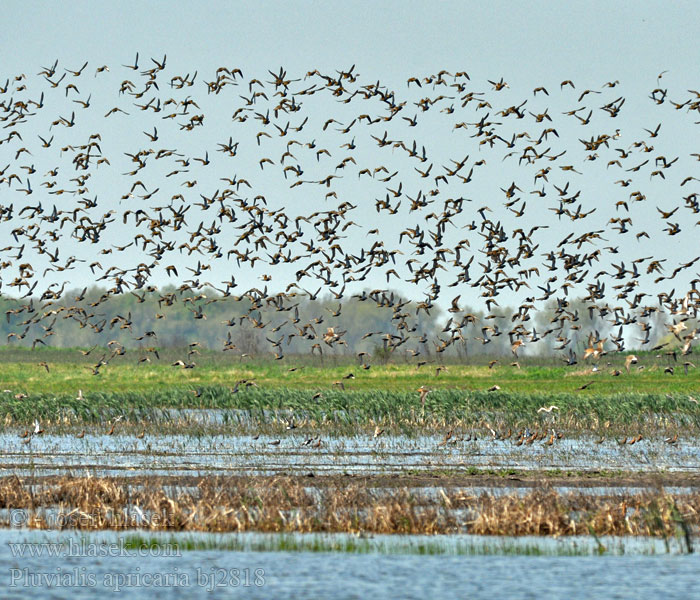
504	479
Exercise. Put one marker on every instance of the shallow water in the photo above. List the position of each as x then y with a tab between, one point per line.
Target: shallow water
171	573
103	455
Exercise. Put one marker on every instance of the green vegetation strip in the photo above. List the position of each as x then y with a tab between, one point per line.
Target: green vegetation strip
59	384
399	545
348	407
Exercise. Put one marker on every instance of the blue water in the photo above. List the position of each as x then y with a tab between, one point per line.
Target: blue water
226	574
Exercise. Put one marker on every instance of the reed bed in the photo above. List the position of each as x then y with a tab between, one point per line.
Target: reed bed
287	505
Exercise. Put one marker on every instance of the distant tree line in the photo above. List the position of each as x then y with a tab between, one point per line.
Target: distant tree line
379	323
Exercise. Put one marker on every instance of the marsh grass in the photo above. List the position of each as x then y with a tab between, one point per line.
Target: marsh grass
351	412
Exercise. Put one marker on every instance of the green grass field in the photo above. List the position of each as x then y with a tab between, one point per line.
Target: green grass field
69	370
384	393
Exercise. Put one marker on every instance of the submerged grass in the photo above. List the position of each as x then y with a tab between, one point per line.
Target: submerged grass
177	544
438	545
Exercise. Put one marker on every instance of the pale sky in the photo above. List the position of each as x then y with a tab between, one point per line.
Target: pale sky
528	45
537	41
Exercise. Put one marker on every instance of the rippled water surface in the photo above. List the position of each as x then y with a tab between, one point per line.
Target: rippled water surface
243	454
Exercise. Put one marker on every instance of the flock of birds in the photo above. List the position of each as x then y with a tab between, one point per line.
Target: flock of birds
111	174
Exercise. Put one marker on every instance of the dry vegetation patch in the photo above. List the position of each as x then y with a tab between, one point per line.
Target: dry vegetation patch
284	504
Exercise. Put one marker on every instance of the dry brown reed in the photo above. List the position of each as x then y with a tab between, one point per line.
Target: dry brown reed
282	504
